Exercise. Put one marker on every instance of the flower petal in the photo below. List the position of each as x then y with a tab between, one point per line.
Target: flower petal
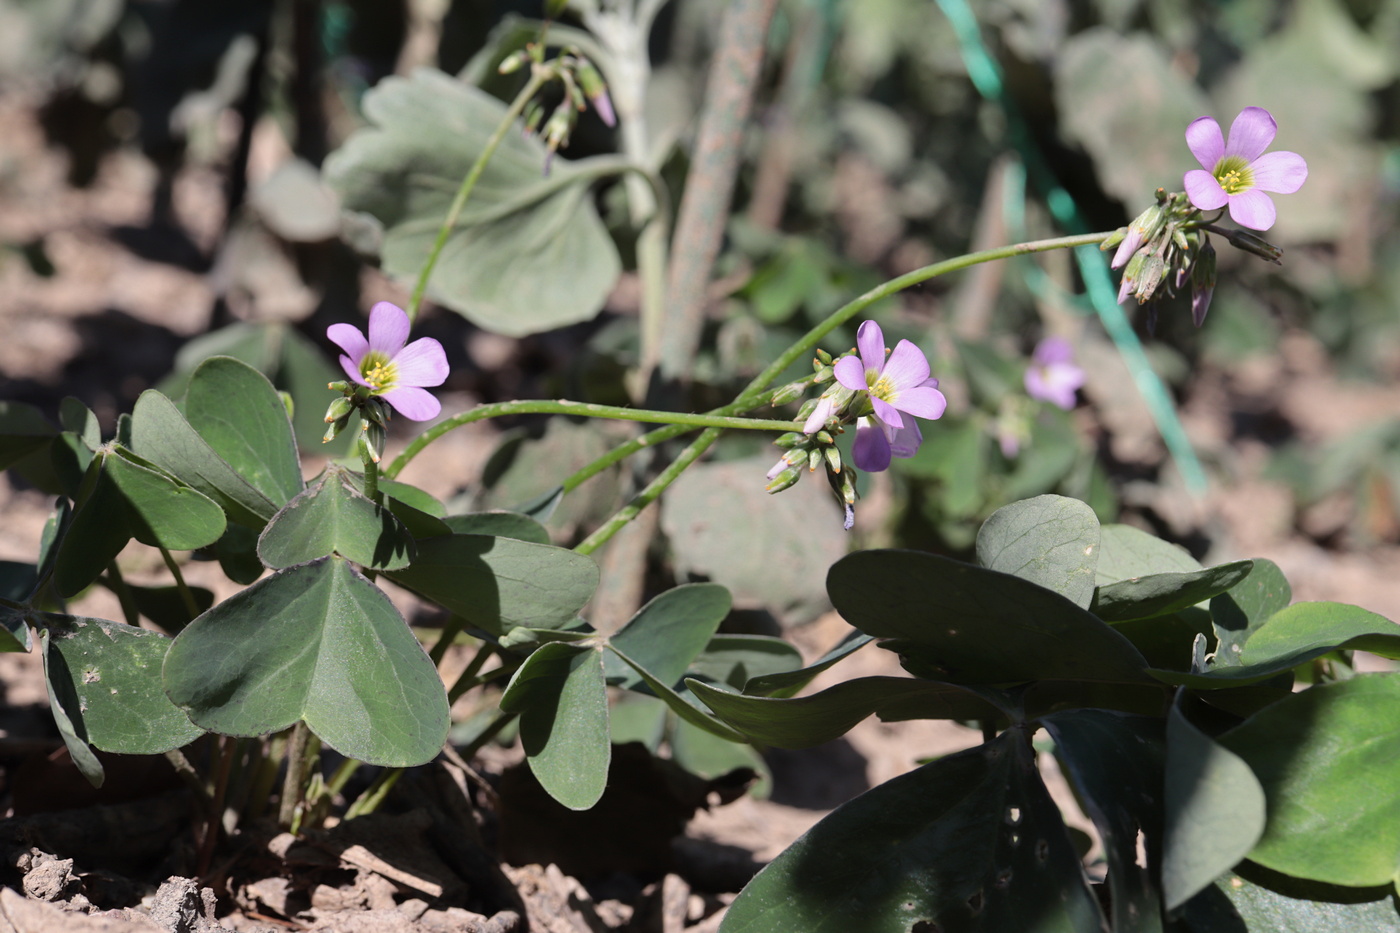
922	402
388	328
1280	172
905	441
1253	209
887	412
871	341
413	403
1125	288
1205	142
906	368
1130	245
1204	191
352	370
1251	133
1053	350
850	372
1200	304
422	363
819	416
349	339
871	451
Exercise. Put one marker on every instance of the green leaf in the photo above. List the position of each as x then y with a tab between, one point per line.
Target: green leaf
1168	641
1326	760
1287	905
681	703
14	627
528	254
1126	552
114	672
499	583
240	415
95	535
981	626
672	629
1049	540
801	722
1214	810
1293	636
161	511
1115	763
79	420
407	494
237	552
160	434
701	752
332	517
786	683
165	605
320	643
66	708
1249	604
971	842
1164	593
23	430
563	705
500	523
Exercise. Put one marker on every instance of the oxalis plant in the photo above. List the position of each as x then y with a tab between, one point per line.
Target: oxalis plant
1226	798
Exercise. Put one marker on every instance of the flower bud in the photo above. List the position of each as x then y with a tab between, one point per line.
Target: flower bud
1250	243
1202	283
372	439
514	62
790	440
1154	270
341	386
783	480
823	358
534	114
334	430
833	459
823	374
789	393
814	459
338	409
597	91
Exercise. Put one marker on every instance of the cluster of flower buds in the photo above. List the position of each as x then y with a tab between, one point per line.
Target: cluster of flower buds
583	85
374	417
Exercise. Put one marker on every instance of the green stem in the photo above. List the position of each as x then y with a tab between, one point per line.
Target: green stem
465	682
473	667
294	783
185	594
537	80
374	795
117	583
450	630
565	407
372	479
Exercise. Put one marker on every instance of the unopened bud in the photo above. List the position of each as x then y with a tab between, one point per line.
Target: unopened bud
790	440
597	91
334	430
1202	283
1153	272
338	409
1251	243
341	386
823	357
377	411
789	393
814	459
833	459
784	480
823	374
534	115
372	438
514	62
825	437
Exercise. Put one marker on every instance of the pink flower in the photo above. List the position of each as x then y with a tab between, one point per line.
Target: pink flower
1052	376
898	386
1238	173
392	371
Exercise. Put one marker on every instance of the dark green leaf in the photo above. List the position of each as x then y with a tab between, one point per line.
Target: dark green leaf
1116	764
165	605
528	254
501	523
499	583
1126	552
1248	605
160	511
981	626
1326	760
563	705
672	629
681	702
237	552
23	430
1235	904
95	535
1214	810
242	418
66	707
971	842
701	752
316	642
801	722
786	683
1164	593
332	517
1049	540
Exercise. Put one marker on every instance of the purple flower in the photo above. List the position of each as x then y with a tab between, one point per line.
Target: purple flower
1052	376
1238	173
392	371
898	386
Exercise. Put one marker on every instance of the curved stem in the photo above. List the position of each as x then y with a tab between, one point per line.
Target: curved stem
536	81
185	594
565	407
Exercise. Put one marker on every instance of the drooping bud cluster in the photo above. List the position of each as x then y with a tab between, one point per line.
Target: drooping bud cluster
583	84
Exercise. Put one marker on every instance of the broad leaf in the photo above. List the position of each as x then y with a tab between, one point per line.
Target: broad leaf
1126	552
166	607
978	625
500	523
971	842
1164	593
529	253
671	630
1326	760
1235	904
1115	764
801	722
1049	540
786	683
161	511
114	671
689	710
316	642
160	434
66	707
23	430
563	705
1248	605
1214	810
499	583
331	517
94	536
242	418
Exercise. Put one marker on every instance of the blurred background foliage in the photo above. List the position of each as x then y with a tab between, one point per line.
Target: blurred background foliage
872	153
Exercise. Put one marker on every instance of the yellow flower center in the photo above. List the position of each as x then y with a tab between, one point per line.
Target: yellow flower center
379	371
880	386
1234	174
